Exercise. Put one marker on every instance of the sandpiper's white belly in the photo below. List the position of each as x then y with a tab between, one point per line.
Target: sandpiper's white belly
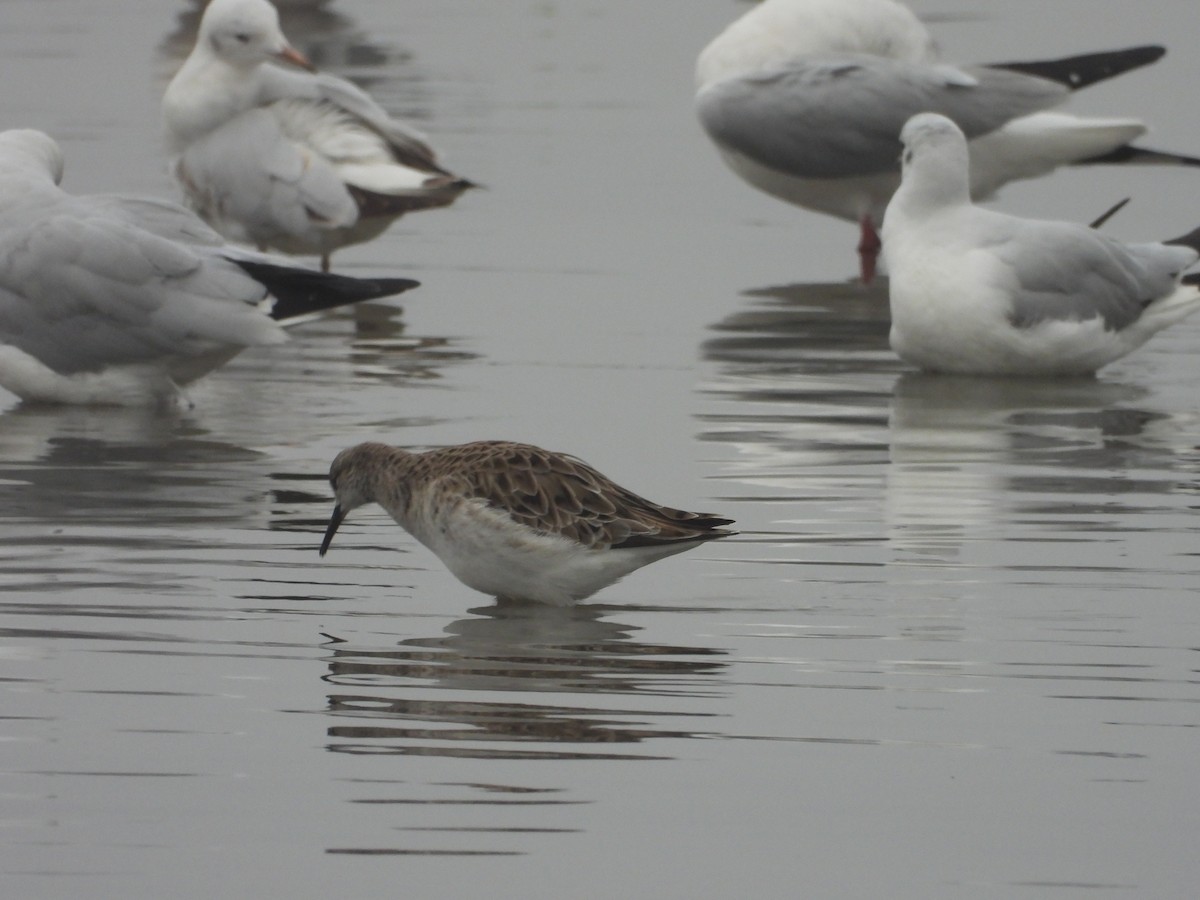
486	550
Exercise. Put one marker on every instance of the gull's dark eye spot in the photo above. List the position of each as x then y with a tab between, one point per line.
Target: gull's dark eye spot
907	157
242	37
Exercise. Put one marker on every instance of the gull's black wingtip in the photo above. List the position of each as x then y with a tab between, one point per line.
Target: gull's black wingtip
1142	156
300	292
1077	72
1191	239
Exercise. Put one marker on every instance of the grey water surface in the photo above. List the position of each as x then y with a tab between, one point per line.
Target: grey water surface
953	653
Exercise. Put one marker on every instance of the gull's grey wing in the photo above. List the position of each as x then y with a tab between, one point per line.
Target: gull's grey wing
254	184
82	288
838	117
409	146
1059	271
161	217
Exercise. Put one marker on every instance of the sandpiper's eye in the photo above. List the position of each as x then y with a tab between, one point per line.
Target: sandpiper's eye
907	157
242	37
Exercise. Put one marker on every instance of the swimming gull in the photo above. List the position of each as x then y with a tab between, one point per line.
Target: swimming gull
979	292
121	300
805	99
293	160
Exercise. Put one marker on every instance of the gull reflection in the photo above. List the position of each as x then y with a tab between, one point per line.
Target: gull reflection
968	455
368	344
809	327
798	386
96	498
104	466
829	425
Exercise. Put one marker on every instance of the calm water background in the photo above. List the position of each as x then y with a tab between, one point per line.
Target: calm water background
953	653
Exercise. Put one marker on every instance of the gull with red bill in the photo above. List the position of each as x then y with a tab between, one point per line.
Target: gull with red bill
282	156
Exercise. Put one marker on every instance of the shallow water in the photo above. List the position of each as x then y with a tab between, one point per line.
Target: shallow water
952	652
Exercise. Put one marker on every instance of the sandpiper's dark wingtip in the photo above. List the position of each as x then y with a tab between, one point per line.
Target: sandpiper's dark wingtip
300	292
707	525
695	529
1076	72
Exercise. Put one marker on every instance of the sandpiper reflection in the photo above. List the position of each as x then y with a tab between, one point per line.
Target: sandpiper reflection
483	688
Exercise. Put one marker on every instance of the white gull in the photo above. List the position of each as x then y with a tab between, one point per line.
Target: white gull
121	300
979	292
292	160
805	99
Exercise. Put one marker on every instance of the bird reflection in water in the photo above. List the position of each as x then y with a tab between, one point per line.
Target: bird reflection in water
799	384
823	414
474	691
976	458
810	326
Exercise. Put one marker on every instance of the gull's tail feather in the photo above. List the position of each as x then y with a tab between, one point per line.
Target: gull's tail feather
1077	72
1141	156
1030	146
1175	307
299	292
433	194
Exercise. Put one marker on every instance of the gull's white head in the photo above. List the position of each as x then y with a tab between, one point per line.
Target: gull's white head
773	32
929	134
26	150
245	34
935	162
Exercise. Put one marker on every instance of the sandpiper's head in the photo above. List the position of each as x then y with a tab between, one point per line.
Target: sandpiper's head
246	33
355	476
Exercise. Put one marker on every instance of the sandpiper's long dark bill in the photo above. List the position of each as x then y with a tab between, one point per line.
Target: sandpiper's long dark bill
335	520
513	520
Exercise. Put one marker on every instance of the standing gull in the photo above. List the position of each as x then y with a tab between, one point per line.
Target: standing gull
120	300
513	520
805	99
286	159
979	292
